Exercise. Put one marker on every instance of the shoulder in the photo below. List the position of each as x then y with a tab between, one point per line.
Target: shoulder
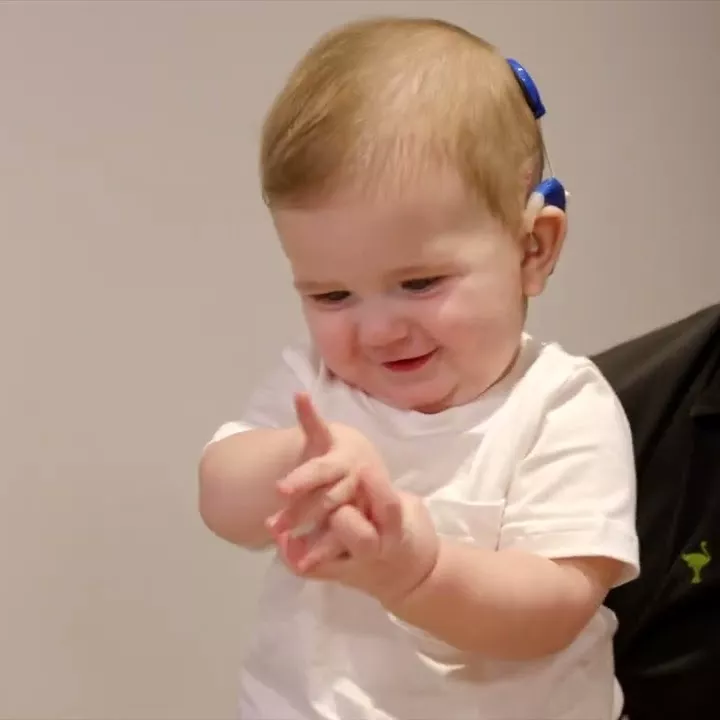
298	369
563	415
562	383
575	425
298	359
271	400
572	491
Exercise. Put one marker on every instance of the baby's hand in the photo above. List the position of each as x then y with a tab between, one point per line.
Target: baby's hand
364	533
335	458
386	558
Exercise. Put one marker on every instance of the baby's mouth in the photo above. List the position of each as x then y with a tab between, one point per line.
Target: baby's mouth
409	364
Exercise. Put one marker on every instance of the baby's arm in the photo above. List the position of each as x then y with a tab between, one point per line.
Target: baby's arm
238	482
509	605
241	466
244	478
568	536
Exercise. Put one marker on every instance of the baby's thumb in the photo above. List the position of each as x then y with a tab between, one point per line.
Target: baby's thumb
385	507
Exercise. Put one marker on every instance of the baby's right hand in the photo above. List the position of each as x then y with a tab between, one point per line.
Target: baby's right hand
335	458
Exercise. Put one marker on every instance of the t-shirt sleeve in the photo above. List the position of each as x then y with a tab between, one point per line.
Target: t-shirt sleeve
574	494
271	403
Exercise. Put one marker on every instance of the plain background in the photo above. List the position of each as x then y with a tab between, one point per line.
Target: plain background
142	292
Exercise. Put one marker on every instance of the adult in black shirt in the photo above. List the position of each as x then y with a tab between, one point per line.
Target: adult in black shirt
668	643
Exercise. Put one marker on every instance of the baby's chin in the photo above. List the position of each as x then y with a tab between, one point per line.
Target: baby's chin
428	401
421	401
455	394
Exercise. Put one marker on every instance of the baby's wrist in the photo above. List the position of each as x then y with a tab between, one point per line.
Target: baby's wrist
418	555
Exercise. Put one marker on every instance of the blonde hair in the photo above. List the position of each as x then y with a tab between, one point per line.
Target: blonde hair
375	102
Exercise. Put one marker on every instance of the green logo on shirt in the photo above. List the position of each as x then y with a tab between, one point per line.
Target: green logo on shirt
697	561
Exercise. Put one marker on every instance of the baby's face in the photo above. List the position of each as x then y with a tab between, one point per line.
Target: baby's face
417	302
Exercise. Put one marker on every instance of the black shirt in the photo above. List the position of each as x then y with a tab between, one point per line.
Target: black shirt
668	643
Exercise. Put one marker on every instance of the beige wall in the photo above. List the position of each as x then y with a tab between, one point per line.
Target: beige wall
141	293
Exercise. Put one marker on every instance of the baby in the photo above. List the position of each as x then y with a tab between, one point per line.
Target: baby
449	498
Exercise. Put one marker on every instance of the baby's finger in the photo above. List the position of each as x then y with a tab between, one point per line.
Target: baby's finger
355	532
317	433
292	549
385	507
292	517
318	549
315	473
315	508
325	549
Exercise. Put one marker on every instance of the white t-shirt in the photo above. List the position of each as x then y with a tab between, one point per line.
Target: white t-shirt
542	462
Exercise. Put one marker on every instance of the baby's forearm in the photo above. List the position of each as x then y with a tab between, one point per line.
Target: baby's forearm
238	478
508	605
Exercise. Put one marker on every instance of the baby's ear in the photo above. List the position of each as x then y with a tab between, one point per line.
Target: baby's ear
541	249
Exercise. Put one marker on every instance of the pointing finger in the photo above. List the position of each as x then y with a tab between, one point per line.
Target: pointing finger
318	436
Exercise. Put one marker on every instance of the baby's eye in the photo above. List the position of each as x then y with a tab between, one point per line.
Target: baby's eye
331	298
421	284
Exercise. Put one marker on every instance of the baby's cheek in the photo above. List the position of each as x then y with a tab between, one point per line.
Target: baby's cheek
483	327
463	311
332	336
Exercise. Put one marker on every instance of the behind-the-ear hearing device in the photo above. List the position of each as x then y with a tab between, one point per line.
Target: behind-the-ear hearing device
550	191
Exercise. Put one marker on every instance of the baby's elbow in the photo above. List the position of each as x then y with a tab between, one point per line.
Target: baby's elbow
542	644
562	630
557	642
210	484
222	524
589	580
210	501
219	513
554	631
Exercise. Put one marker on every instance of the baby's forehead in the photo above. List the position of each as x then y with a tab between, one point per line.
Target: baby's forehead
427	199
361	231
381	238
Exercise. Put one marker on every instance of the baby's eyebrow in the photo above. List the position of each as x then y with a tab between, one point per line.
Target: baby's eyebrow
311	286
406	272
422	271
